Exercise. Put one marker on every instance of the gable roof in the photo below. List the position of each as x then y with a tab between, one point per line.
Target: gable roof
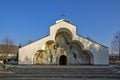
68	22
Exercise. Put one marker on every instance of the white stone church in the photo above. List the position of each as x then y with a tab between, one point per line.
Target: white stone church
64	47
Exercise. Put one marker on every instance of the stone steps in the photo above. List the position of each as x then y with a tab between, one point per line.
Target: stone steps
59	76
60	79
61	70
116	69
59	73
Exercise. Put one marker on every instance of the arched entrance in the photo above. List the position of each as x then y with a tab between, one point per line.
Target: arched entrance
63	60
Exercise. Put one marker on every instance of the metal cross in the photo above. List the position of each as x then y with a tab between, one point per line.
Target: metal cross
63	15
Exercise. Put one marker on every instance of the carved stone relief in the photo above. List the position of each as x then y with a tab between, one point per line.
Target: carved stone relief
62	45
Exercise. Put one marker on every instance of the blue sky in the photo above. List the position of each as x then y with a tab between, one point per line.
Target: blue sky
24	20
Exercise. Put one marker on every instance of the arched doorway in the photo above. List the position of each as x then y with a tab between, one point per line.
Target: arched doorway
63	60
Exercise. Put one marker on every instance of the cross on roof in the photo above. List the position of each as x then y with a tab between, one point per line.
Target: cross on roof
63	15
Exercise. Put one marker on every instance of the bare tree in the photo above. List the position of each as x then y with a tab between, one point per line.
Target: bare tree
116	44
7	47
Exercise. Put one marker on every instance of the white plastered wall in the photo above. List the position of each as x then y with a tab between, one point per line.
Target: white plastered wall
99	52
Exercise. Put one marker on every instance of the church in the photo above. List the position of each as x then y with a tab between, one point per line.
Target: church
63	46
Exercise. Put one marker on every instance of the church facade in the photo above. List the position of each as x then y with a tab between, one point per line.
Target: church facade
64	47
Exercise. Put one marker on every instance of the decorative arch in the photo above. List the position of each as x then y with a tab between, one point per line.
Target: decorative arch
64	30
80	54
90	56
78	43
86	57
63	35
38	57
49	42
63	50
48	45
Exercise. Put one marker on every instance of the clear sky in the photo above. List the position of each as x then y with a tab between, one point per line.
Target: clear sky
24	20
